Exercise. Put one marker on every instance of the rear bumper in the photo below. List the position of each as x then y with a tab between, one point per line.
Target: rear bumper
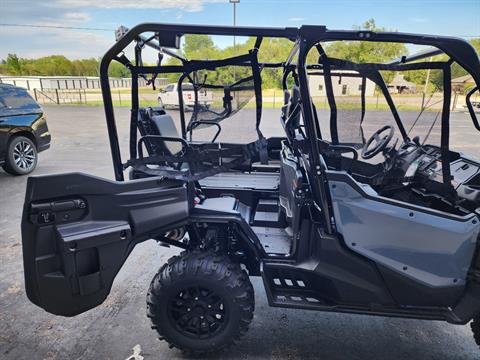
42	135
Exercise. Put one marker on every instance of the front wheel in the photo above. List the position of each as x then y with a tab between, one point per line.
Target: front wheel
200	302
21	157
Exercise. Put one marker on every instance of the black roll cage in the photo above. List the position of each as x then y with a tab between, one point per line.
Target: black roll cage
304	38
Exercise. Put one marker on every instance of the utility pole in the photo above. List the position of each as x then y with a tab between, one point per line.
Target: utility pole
425	87
234	2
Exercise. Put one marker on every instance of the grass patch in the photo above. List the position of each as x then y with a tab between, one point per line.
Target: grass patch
124	91
268	105
123	103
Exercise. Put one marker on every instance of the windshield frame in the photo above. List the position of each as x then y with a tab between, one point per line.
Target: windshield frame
370	71
457	50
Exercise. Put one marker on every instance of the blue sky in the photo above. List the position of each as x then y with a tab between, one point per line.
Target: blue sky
457	18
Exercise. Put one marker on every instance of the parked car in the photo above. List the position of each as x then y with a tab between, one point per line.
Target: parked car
168	96
23	130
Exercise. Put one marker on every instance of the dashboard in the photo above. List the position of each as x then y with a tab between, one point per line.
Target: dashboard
422	165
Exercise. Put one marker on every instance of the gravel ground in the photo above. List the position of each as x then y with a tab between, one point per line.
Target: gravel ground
111	330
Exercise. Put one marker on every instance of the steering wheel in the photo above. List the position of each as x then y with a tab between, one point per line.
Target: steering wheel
377	142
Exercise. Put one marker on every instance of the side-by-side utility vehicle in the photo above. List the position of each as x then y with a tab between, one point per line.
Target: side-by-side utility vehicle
344	210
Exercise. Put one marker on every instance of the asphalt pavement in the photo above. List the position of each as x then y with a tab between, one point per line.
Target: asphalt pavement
113	329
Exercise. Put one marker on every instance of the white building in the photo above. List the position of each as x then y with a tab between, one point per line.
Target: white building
69	82
342	85
52	82
401	86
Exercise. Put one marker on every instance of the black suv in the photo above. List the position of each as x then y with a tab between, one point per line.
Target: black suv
23	130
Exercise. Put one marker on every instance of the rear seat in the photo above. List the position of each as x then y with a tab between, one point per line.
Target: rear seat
155	121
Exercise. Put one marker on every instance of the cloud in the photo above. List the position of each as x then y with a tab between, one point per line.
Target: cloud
83	44
41	13
77	16
186	5
31	42
296	19
73	44
75	13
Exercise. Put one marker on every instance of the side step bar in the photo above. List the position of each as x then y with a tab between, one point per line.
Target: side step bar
289	287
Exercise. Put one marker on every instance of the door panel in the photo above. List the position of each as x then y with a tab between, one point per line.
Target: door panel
78	230
431	249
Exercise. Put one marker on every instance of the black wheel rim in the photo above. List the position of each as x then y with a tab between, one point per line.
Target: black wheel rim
197	312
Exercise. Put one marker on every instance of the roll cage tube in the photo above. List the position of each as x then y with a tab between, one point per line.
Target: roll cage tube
167	30
317	167
110	118
181	103
366	70
289	68
470	108
458	50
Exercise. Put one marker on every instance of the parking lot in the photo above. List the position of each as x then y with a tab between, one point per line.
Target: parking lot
110	331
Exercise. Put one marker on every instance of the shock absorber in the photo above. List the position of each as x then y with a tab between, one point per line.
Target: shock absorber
176	234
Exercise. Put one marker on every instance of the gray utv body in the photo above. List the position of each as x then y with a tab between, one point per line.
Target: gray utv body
321	227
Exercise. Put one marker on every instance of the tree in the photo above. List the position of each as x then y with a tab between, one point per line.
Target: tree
199	47
274	50
13	65
457	70
118	70
366	51
3	66
58	65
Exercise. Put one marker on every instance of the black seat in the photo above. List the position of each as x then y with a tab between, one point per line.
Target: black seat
293	121
155	121
291	113
291	180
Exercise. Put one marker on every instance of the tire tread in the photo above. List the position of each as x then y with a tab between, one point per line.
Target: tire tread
7	166
203	263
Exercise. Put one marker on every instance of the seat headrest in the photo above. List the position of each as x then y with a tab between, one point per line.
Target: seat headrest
295	98
294	119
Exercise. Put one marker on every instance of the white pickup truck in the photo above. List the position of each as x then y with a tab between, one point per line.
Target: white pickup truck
168	96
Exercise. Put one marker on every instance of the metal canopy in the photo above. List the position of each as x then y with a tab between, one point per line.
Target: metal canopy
417	56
